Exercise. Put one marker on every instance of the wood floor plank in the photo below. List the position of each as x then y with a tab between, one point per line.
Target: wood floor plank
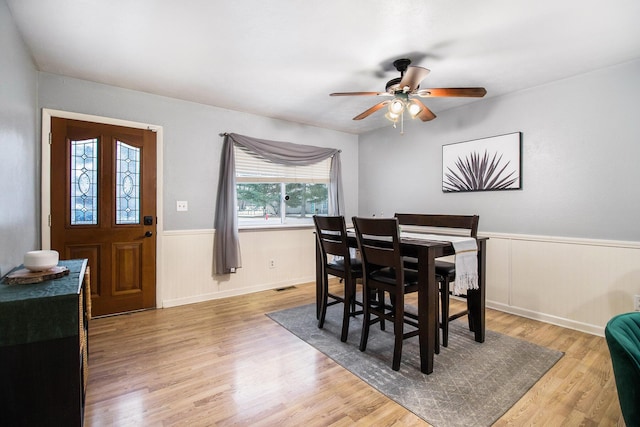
224	363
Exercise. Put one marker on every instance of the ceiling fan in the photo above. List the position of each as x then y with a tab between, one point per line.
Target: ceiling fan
403	89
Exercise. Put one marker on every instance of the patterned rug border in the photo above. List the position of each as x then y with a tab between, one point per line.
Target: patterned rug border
472	384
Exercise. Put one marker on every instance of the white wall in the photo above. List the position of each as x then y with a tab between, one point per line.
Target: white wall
580	159
19	185
565	248
192	144
190	171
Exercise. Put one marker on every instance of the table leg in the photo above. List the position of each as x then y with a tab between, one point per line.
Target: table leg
476	298
427	309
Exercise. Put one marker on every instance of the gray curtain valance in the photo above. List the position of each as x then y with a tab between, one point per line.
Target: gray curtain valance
226	242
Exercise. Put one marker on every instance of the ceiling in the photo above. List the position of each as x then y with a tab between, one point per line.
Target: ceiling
282	58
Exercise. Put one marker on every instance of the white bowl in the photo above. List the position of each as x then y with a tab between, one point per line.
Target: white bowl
40	260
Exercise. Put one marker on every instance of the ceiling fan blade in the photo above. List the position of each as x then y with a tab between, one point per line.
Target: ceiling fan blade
358	94
425	114
473	92
412	77
371	110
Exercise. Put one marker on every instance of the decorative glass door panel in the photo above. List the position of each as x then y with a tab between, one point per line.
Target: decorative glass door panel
127	184
84	182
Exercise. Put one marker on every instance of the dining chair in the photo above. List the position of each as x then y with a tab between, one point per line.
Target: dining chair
622	334
331	236
445	270
379	245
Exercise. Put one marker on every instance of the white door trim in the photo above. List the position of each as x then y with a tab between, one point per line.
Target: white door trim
45	190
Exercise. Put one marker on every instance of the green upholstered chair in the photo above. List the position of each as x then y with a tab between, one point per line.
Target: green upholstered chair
623	338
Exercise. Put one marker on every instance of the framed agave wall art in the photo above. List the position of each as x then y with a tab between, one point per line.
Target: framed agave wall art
485	164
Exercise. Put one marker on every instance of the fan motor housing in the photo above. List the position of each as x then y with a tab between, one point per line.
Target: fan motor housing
392	85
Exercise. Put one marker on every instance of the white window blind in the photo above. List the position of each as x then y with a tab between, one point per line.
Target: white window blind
252	168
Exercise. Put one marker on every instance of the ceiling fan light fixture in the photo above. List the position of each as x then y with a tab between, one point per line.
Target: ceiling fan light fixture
396	106
391	116
414	109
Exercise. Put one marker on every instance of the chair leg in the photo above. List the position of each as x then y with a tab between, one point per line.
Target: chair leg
354	307
444	299
436	338
349	301
381	306
324	297
366	319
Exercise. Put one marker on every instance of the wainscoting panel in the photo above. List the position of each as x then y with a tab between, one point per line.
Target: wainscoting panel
188	264
498	274
575	283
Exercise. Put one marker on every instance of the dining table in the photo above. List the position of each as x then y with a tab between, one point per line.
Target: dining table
426	251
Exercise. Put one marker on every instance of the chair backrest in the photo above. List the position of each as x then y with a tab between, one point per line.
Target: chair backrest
331	233
379	244
435	222
623	338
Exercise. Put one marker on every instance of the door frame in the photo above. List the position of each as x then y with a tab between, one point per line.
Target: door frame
45	190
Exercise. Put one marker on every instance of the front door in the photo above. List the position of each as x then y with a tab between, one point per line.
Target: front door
103	208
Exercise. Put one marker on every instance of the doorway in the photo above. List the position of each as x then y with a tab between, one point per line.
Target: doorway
103	200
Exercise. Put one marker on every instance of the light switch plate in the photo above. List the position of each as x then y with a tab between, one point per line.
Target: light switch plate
182	206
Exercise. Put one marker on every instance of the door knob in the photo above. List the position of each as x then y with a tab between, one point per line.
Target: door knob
148	234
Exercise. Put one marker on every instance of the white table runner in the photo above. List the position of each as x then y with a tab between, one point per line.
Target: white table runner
466	258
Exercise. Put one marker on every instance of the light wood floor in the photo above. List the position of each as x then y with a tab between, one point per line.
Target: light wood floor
224	363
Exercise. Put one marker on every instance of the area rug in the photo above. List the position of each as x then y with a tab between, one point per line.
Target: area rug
472	384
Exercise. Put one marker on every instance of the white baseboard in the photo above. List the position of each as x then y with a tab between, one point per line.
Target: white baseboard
233	293
554	320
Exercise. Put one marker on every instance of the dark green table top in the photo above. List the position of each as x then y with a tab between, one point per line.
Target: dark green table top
41	311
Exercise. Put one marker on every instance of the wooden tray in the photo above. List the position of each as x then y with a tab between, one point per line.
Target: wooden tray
24	276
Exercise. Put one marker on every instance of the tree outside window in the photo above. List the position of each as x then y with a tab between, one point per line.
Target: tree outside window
280	203
305	200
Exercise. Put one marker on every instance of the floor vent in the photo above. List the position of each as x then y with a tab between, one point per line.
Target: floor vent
286	288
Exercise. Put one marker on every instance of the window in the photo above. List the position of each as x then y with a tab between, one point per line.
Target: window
84	182
127	184
275	194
